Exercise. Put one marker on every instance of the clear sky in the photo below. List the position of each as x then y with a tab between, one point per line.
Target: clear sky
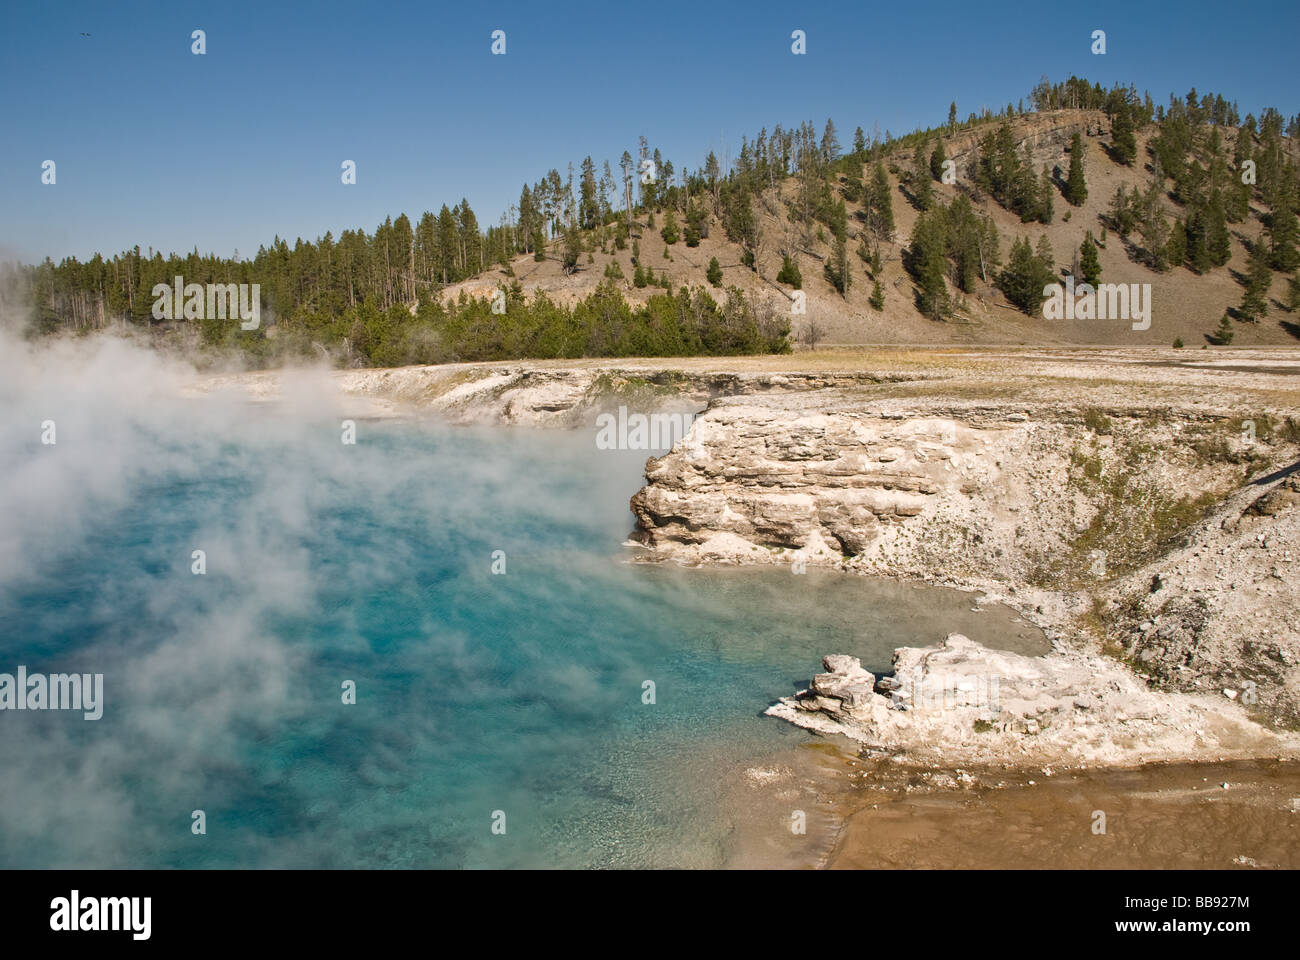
157	146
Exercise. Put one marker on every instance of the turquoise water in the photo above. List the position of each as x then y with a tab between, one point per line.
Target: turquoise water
476	692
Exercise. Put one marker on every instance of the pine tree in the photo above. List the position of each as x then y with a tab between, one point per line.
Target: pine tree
880	215
669	232
1282	231
1089	260
1046	200
1076	191
789	273
929	265
714	274
1153	226
1176	246
1222	336
697	224
448	245
1259	277
1123	140
1026	274
572	248
1043	251
1026	193
1217	240
922	188
1121	213
837	267
864	248
588	209
937	158
1237	202
830	143
877	296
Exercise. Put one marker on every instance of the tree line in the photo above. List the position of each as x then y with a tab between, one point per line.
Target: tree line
399	269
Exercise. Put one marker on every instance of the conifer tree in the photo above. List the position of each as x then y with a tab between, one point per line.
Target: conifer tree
669	232
1282	231
1237	201
789	273
714	273
1046	200
448	244
1176	246
1076	191
1259	277
572	248
880	215
1123	139
937	158
1218	243
697	224
837	267
1026	192
1089	260
877	296
922	190
1026	274
830	143
588	208
928	263
1153	226
1043	251
1222	336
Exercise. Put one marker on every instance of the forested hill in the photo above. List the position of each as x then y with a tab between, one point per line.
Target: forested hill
942	235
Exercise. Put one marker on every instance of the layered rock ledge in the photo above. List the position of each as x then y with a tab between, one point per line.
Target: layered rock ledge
960	702
1166	535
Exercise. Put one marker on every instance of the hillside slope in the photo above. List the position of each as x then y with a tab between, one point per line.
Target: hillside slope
1184	304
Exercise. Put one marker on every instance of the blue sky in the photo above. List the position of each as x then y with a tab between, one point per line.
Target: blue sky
160	147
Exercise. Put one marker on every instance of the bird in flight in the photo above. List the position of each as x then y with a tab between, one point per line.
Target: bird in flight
84	34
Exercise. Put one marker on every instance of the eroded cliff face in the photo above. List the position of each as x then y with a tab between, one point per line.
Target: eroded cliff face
1136	522
761	480
971	491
